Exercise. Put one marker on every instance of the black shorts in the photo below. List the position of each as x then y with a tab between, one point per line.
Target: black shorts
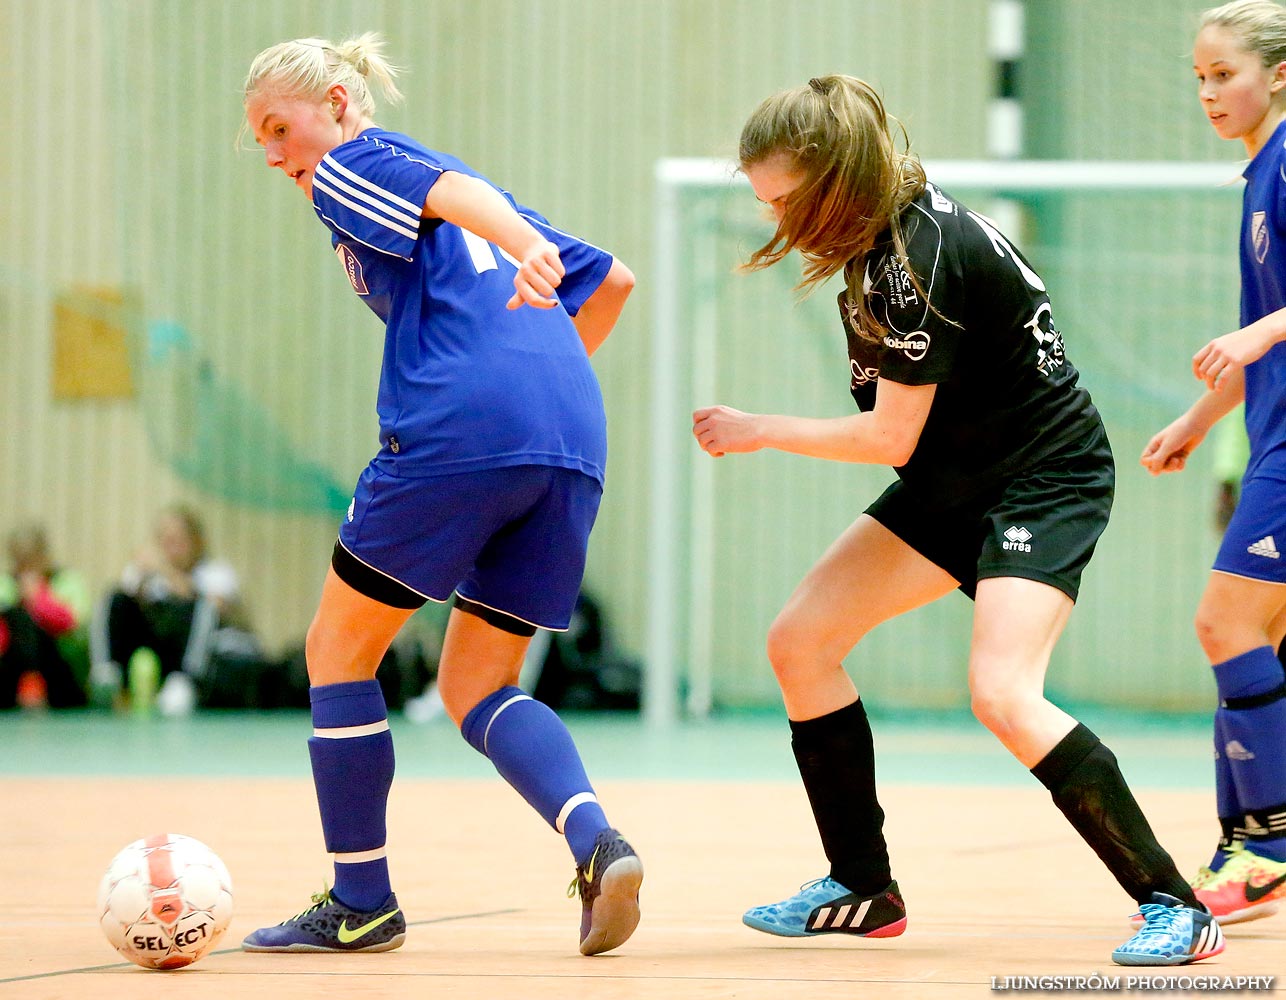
1041	525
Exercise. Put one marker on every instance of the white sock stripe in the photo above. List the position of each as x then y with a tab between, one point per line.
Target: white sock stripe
494	715
579	799
352	732
361	857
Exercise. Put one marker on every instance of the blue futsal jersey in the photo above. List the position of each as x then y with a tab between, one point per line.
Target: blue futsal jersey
1263	291
466	384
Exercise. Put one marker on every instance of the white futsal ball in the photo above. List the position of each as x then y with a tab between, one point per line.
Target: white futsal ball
165	901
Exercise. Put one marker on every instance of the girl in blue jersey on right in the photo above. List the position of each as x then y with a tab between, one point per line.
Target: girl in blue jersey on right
487	482
1240	60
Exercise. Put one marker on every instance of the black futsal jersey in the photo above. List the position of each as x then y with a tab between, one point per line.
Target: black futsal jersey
979	326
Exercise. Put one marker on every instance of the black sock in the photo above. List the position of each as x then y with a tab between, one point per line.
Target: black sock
1087	786
836	758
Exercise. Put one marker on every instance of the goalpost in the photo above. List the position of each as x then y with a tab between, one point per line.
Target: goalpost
1174	239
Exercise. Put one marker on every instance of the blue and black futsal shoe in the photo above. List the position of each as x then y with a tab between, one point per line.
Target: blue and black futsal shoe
329	925
824	906
608	886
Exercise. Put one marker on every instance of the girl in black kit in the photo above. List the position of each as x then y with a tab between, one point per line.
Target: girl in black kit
1005	481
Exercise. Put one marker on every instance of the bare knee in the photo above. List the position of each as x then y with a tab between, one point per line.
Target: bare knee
1212	634
334	657
792	649
998	706
461	692
457	699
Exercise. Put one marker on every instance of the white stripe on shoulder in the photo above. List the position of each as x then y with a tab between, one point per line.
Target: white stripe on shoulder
357	239
395	200
333	193
332	179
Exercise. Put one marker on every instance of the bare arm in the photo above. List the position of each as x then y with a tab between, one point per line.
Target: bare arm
473	204
1233	351
887	435
1169	448
598	315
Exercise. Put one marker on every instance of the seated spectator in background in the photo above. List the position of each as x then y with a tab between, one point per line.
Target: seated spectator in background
172	599
43	610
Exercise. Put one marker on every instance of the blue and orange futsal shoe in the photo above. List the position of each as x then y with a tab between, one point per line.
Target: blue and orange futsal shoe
824	906
1247	887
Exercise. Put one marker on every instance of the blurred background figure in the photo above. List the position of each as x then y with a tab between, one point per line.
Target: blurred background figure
43	610
173	600
1232	452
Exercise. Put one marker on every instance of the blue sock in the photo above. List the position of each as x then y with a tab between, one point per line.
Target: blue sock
352	754
1230	811
1252	719
534	752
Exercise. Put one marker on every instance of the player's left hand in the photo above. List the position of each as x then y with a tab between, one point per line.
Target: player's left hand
540	272
721	429
1224	354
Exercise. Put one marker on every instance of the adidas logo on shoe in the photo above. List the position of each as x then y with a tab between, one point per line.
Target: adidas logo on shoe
824	906
1264	547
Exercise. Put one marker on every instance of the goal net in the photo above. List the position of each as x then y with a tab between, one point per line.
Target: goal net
1140	260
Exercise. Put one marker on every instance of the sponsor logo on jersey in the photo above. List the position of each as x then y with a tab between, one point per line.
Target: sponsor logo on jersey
862	375
902	293
1259	234
939	201
914	345
1049	342
851	313
353	268
1017	539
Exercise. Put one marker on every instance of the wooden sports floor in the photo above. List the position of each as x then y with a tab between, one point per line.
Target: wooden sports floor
996	883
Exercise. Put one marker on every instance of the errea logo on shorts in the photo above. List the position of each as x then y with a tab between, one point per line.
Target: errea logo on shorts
1016	539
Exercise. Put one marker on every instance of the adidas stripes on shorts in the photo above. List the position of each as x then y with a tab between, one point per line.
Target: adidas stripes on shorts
1252	545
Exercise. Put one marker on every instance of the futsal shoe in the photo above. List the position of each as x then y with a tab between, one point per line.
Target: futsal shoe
1204	877
823	906
329	925
608	886
1172	934
1247	887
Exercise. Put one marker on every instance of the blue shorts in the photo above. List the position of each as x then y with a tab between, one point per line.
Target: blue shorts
1256	533
512	540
